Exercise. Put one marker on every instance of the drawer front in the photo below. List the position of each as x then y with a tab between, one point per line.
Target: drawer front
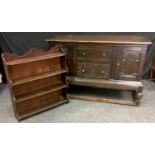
94	52
97	71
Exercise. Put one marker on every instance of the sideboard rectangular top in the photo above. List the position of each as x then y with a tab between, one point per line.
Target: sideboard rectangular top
107	39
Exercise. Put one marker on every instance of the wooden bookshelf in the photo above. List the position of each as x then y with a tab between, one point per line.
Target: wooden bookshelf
37	80
38	77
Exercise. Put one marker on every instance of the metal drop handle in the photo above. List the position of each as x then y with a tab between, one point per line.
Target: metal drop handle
84	53
102	72
83	71
103	54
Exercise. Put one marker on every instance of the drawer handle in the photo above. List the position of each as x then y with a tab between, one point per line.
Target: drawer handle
83	71
102	72
123	60
83	53
103	54
137	60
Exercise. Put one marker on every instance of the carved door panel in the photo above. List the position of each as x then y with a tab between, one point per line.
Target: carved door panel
128	64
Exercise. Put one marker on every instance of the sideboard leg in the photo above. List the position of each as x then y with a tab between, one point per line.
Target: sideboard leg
138	95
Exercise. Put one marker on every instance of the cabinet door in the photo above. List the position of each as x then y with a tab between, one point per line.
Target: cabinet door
130	63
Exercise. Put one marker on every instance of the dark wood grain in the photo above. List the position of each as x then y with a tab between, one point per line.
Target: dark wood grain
152	69
105	61
100	39
37	80
101	95
0	78
91	70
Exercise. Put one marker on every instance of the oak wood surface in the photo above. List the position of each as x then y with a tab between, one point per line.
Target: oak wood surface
87	56
100	83
101	95
109	39
37	80
0	78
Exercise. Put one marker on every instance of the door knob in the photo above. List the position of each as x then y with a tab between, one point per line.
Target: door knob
118	64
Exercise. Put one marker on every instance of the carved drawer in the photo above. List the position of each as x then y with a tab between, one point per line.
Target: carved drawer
94	54
98	71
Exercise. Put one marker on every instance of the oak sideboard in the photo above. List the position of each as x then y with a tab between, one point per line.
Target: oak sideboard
112	62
